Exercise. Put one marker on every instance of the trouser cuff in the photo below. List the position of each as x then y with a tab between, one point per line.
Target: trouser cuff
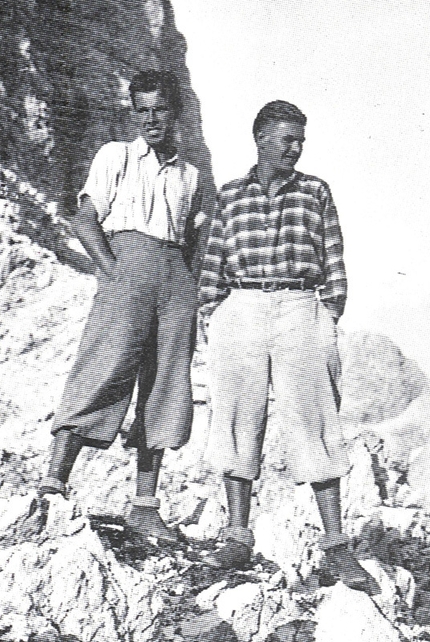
239	534
332	540
54	483
146	501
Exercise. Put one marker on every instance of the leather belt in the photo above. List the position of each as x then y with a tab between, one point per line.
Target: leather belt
161	242
273	286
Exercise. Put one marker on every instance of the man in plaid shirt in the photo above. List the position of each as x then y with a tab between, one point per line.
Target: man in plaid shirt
274	282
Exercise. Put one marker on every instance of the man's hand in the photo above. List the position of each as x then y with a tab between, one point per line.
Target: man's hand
205	313
109	267
203	325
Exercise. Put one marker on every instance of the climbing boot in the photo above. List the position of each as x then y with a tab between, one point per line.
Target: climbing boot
145	520
342	565
236	552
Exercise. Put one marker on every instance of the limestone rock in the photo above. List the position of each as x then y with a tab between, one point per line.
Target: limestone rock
68	575
295	631
402	436
419	476
360	494
406	585
206	598
401	519
378	382
241	605
350	615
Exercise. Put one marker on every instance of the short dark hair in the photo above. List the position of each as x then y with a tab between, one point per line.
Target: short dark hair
277	110
165	81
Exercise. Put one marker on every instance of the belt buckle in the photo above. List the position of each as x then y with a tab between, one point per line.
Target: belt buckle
268	288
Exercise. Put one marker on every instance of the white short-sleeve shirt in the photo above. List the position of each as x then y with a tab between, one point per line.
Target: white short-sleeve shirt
131	190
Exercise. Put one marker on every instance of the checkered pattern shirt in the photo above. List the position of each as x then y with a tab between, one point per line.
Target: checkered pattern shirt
293	235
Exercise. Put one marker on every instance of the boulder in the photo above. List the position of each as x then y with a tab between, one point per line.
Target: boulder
403	436
419	477
378	382
65	576
345	614
242	606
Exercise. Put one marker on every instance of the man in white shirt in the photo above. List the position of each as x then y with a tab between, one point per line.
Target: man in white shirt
138	218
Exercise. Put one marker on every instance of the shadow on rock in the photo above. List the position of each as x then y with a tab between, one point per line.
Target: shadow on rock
51	637
297	631
394	550
29	526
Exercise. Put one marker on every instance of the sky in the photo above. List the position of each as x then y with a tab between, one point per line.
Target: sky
360	70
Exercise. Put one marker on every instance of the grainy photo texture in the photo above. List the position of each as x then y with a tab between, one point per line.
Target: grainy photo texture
214	355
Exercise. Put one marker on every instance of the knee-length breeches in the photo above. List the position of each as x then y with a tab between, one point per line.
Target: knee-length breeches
288	338
142	324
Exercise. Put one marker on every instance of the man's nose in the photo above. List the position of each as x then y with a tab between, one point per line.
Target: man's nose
151	114
296	146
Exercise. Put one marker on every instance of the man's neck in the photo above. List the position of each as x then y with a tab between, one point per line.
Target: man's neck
164	152
271	180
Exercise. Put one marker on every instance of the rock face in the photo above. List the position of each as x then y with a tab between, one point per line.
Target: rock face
38	577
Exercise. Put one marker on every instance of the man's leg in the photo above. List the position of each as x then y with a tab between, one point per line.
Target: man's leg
327	495
99	387
239	500
341	561
305	362
66	448
239	539
144	517
239	373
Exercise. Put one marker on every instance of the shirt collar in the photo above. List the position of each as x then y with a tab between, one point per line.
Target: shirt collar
143	149
252	177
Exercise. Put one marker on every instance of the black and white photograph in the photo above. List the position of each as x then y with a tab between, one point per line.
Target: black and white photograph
214	321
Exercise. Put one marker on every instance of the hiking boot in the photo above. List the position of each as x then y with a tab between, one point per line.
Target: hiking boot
342	564
145	520
236	552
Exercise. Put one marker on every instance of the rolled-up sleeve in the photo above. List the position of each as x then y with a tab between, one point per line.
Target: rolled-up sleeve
334	293
102	181
211	285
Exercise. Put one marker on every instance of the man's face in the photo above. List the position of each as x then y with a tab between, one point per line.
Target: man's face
155	117
280	145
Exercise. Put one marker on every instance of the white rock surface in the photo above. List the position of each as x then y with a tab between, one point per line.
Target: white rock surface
419	477
205	599
242	605
62	574
232	601
73	581
347	615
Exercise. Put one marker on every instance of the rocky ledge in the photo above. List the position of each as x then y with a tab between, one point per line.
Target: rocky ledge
69	570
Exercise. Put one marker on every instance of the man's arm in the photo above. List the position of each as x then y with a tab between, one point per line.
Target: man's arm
335	289
94	202
87	228
196	232
211	289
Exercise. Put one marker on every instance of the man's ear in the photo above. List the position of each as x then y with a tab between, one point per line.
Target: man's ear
261	140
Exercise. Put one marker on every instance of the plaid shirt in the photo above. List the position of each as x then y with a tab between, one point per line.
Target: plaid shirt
294	235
